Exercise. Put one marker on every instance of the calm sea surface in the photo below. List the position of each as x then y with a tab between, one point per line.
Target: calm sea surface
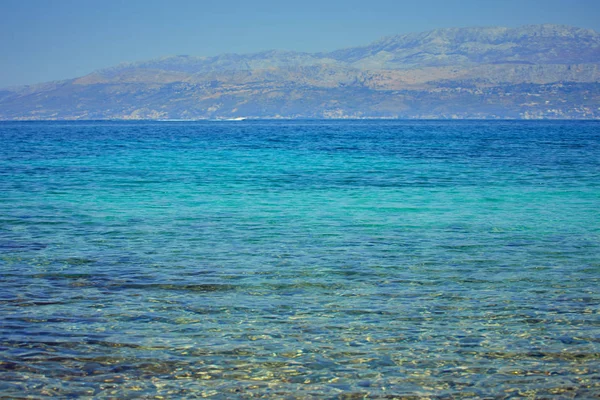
300	259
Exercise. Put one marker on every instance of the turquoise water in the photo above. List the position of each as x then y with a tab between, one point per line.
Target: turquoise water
303	259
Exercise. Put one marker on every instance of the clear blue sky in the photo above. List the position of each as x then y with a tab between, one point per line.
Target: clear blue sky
42	40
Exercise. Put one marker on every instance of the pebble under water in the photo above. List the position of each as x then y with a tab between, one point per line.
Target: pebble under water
300	259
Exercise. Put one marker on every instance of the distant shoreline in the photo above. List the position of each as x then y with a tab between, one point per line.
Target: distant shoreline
250	119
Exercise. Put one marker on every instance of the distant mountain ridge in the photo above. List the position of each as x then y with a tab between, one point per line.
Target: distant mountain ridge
530	44
536	71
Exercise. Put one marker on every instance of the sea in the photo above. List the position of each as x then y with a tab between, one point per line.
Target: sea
382	259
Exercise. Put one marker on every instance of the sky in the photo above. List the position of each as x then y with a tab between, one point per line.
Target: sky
45	40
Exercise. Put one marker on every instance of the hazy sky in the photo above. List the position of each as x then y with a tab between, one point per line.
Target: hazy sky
42	40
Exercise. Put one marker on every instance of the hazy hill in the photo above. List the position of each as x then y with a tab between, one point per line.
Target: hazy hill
538	71
534	44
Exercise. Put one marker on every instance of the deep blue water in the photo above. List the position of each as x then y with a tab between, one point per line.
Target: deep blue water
374	259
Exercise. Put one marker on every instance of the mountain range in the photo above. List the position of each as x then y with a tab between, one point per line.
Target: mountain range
536	71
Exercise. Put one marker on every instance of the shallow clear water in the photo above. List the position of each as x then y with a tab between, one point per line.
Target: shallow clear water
300	259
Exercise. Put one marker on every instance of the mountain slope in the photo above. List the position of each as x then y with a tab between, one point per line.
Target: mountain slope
539	71
534	44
